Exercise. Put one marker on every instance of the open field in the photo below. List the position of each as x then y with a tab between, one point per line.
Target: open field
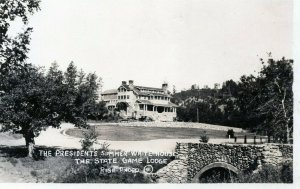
126	138
128	133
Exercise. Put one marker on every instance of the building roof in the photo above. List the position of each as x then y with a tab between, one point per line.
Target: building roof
149	88
156	94
136	89
110	91
125	86
170	104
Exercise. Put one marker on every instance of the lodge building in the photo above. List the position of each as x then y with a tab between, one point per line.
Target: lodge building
138	101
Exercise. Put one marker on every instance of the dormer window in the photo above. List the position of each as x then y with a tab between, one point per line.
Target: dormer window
122	89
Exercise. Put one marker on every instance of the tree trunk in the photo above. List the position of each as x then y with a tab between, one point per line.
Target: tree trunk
287	134
29	140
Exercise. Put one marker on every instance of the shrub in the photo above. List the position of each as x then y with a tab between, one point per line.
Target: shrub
204	138
90	137
269	174
287	172
33	173
13	161
146	119
230	133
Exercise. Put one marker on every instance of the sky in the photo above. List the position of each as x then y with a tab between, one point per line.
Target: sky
182	42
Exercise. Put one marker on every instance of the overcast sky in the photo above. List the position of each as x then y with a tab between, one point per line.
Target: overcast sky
183	42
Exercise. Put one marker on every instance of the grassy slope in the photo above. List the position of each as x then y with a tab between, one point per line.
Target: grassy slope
15	167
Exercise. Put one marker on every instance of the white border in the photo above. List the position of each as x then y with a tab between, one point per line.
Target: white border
296	184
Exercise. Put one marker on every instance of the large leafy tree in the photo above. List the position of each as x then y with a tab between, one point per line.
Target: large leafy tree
266	101
13	54
26	108
40	100
13	50
30	99
276	97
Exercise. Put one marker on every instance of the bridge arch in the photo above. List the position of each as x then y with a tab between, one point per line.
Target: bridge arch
214	165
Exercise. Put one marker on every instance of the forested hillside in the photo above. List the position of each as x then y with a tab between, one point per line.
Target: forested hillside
262	103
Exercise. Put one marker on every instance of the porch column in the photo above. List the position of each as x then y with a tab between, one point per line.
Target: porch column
153	108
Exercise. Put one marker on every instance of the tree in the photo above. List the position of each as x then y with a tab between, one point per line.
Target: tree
13	51
13	54
174	89
38	101
266	101
87	97
30	99
276	97
230	87
24	107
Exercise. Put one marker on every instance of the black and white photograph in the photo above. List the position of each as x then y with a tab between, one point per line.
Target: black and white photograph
147	92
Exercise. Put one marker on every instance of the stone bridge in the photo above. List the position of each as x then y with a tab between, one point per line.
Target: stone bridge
192	160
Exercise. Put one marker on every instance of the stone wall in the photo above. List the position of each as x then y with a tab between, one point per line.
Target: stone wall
191	158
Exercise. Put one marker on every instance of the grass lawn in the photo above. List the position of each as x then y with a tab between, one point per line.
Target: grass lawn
16	167
118	133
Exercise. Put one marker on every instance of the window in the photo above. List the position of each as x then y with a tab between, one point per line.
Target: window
141	106
150	108
127	96
119	97
155	97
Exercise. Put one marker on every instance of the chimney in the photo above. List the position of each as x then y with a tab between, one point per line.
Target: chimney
165	87
123	82
131	84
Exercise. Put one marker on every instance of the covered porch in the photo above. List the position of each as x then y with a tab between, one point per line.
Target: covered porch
147	106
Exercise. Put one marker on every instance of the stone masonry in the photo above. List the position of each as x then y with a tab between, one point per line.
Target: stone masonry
193	159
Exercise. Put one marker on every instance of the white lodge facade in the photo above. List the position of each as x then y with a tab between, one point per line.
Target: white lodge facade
138	101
